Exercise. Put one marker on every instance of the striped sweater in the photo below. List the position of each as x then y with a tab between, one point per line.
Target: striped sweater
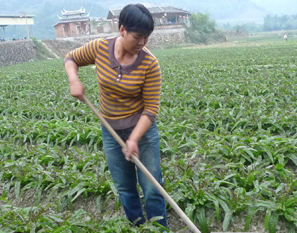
125	92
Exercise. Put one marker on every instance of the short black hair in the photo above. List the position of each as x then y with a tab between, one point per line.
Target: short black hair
136	18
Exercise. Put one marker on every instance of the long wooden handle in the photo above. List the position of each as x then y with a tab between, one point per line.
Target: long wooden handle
135	160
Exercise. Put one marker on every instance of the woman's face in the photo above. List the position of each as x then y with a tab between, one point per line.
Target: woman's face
133	42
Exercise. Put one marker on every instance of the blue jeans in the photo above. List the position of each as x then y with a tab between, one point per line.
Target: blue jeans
125	174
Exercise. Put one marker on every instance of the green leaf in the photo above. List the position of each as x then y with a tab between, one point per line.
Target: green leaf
17	187
273	222
228	214
113	189
280	187
227	219
279	167
156	218
269	154
85	168
56	219
200	213
75	189
251	213
215	201
78	193
99	204
293	158
1	175
189	211
267	219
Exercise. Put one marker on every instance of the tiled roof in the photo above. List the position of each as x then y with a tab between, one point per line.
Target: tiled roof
80	11
115	13
153	10
73	20
166	9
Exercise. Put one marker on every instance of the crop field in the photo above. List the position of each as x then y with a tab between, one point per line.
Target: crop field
228	127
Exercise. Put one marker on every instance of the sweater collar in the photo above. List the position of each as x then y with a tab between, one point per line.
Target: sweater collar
115	63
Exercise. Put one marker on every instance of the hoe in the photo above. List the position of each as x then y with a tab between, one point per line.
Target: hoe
135	160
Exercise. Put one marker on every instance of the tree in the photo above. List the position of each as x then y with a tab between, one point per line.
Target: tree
272	23
202	23
203	29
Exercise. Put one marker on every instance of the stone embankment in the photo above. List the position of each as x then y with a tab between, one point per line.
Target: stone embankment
14	52
167	37
159	39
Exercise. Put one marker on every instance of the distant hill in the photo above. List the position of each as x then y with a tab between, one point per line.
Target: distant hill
46	11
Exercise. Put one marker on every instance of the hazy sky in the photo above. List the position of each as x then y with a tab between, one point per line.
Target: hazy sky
270	6
278	6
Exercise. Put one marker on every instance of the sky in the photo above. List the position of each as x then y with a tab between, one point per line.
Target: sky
278	6
271	6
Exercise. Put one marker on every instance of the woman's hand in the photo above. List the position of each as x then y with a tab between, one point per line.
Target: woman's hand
141	127
131	149
77	89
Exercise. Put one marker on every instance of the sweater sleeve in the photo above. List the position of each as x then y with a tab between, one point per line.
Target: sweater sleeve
84	55
152	90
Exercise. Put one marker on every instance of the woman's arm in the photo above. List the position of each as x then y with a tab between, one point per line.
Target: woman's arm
76	87
83	56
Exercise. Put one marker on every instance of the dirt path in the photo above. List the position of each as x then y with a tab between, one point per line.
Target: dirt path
50	50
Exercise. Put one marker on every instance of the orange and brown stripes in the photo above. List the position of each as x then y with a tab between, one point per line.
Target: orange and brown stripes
86	54
138	90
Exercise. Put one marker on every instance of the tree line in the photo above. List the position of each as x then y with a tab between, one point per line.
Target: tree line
203	29
274	22
271	23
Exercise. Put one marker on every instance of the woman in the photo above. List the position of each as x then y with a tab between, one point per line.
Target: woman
129	79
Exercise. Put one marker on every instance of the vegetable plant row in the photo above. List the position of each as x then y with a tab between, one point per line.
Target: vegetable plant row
228	127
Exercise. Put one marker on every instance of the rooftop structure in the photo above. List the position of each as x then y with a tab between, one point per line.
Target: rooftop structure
16	19
74	23
70	14
155	11
164	17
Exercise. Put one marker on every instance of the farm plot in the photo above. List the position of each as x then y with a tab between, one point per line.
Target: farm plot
228	126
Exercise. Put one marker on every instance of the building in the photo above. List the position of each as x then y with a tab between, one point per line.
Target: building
170	17
73	23
164	17
17	19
